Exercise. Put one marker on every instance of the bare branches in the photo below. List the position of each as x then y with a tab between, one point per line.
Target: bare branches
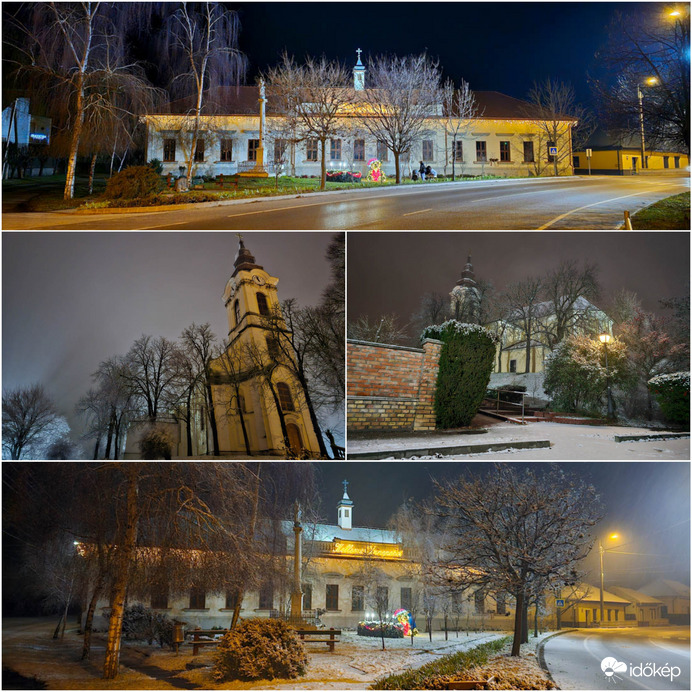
27	414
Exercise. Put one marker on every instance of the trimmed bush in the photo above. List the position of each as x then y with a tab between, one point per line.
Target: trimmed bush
155	444
260	650
143	624
156	165
673	395
466	361
133	182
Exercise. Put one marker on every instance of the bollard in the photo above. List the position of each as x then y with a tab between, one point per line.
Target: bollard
628	221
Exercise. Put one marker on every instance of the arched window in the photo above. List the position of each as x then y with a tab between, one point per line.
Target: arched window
236	312
262	304
273	348
285	398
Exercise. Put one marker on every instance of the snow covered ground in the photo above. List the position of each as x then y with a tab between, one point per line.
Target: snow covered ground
28	649
568	442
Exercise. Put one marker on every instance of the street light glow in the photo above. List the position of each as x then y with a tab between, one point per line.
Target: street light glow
605	338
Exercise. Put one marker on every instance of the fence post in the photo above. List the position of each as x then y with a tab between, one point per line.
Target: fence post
628	221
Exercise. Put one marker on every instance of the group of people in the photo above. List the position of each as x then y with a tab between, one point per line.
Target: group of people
424	172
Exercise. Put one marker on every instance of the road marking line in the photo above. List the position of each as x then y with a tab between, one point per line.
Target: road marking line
595	204
165	225
420	211
684	652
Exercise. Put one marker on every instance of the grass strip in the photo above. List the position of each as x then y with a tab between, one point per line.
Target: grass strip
424	677
669	214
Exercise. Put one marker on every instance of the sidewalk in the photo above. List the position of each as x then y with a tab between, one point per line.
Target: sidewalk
567	442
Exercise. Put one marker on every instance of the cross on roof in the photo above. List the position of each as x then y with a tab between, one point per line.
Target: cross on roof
359	51
345	482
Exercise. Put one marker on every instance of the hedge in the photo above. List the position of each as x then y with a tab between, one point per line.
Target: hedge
466	361
672	392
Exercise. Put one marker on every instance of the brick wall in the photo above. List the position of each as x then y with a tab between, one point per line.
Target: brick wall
391	387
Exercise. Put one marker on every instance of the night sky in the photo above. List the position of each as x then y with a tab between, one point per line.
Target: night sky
494	46
391	272
647	503
71	300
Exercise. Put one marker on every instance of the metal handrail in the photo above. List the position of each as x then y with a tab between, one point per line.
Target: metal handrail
511	403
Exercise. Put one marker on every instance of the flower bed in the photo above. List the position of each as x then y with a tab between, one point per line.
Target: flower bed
386	629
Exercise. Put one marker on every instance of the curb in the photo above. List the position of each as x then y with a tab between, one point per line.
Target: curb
654	436
541	656
457	449
294	195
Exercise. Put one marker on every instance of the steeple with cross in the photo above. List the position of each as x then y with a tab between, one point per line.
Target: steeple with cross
359	74
345	510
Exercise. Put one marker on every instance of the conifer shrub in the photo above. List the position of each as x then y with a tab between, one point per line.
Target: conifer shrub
672	392
260	649
133	182
466	361
143	624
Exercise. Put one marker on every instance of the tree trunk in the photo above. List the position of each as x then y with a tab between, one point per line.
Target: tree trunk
92	168
96	448
525	623
89	620
109	436
446	632
397	166
535	621
56	631
516	642
74	142
124	559
243	427
188	422
212	420
323	165
313	415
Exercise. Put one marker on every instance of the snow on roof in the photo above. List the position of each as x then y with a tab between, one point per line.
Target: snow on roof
586	593
634	596
328	532
666	587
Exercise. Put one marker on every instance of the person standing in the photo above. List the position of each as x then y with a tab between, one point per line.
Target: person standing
421	170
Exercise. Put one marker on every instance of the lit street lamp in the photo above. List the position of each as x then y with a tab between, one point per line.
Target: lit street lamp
651	81
605	340
601	550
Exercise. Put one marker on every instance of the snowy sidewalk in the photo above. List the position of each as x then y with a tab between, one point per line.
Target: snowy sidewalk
568	442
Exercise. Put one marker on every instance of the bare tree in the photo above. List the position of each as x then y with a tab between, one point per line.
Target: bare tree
533	525
403	94
567	311
521	300
648	51
312	97
201	48
554	109
76	52
434	309
385	330
460	110
27	414
623	306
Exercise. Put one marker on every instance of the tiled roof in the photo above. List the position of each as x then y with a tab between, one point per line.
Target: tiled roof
666	587
634	596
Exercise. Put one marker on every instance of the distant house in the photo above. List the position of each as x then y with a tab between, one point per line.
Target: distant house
583	608
613	156
644	609
675	597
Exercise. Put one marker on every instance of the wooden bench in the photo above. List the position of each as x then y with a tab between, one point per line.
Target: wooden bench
196	642
330	642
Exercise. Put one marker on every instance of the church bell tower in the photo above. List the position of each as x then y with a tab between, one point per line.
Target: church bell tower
465	296
345	510
359	74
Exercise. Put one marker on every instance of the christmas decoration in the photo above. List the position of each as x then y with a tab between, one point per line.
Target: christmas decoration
376	174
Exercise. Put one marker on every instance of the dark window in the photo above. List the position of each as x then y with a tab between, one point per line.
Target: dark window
332	602
665	161
252	148
358	598
428	150
232	596
676	159
159	596
382	151
280	146
199	151
236	312
198	598
528	152
551	157
512	365
575	161
479	601
273	349
359	150
335	149
169	150
458	153
266	597
226	150
406	598
481	151
307	596
505	154
262	304
311	150
285	398
382	598
595	614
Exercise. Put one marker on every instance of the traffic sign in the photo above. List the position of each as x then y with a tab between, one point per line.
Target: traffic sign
559	602
552	151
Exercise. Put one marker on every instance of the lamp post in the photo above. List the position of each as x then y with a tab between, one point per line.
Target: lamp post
651	81
602	550
605	340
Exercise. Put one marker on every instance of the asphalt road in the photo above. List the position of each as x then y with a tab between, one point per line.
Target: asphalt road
591	203
574	659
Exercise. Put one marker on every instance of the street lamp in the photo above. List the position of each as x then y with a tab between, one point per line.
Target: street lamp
601	550
605	340
651	81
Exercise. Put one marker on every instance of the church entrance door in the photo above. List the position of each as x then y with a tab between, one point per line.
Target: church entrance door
294	438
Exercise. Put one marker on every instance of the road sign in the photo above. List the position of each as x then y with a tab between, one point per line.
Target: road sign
552	151
559	602
589	152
